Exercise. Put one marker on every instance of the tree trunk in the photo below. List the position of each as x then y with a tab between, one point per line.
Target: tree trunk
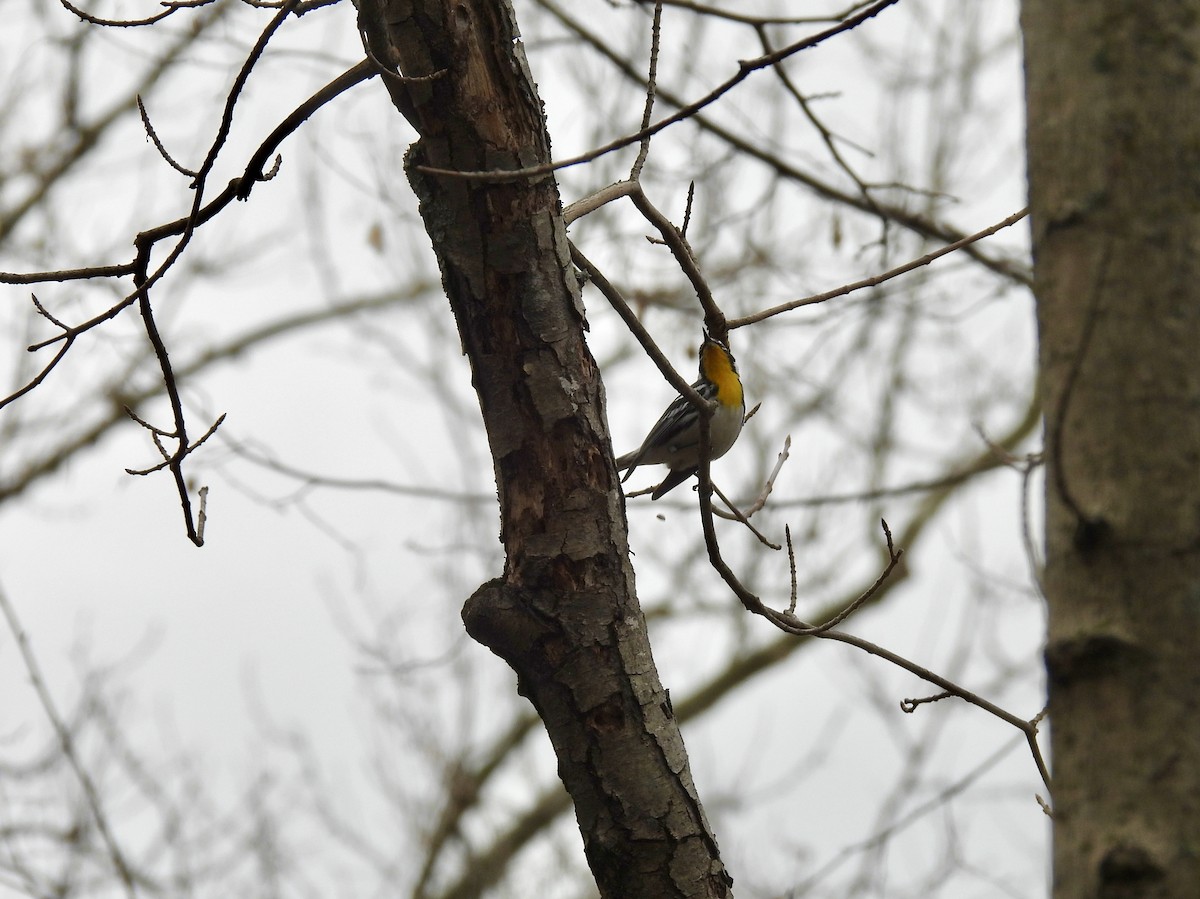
1114	175
564	614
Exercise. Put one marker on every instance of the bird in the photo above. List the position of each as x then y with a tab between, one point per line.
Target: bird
674	440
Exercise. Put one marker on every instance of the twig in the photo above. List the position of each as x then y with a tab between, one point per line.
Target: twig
46	369
714	318
592	202
202	514
736	514
875	280
175	460
158	144
72	274
746	19
938	800
170	458
825	133
651	84
687	209
794	592
769	483
312	479
185	228
894	556
123	23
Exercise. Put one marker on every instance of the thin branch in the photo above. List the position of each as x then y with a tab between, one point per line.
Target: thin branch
876	280
74	274
235	92
239	188
894	556
714	318
313	479
46	369
826	135
21	481
769	483
355	75
674	378
880	838
736	514
145	243
126	23
65	740
175	461
592	202
158	144
747	19
794	591
146	240
651	83
52	167
169	459
687	209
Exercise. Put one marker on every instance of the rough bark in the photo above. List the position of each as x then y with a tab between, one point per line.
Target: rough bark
1114	173
564	614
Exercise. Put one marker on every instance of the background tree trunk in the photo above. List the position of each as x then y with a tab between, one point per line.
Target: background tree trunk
1114	171
564	615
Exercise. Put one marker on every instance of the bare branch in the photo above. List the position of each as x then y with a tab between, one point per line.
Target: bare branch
186	227
745	69
128	23
750	149
158	144
747	19
651	83
876	280
736	514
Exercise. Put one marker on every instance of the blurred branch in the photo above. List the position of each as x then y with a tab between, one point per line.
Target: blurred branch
91	794
883	834
651	83
827	136
464	794
121	400
336	482
876	280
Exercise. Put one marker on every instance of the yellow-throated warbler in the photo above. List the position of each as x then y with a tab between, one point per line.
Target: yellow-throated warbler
675	440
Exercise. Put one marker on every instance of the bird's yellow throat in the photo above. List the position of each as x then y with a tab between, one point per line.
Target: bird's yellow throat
717	365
